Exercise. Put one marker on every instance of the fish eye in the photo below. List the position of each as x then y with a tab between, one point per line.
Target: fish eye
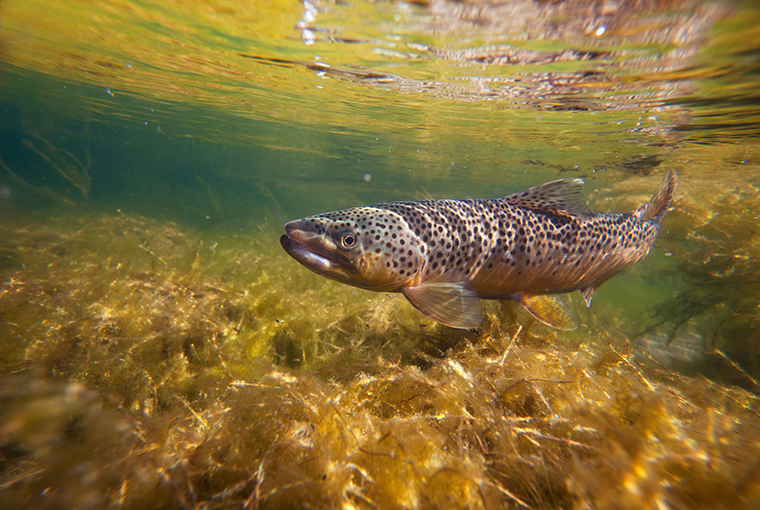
347	241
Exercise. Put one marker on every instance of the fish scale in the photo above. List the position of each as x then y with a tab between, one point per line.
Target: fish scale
446	255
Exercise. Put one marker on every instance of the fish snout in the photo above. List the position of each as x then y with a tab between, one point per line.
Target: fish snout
304	231
293	226
310	226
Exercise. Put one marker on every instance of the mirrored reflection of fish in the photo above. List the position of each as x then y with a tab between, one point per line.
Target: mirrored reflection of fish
447	255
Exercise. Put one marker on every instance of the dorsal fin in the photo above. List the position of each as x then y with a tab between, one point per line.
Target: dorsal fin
560	196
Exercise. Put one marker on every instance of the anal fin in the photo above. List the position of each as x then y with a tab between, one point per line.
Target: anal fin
551	310
452	304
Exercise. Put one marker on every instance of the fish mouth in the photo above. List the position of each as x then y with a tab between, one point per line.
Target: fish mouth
313	251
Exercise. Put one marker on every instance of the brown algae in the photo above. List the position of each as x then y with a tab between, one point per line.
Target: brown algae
145	365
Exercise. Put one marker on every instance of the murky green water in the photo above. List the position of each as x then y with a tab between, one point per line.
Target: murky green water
151	150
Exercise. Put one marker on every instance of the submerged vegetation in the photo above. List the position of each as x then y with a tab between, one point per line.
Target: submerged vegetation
144	364
57	164
720	266
175	370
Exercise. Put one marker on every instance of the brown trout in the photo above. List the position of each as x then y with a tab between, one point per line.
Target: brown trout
447	255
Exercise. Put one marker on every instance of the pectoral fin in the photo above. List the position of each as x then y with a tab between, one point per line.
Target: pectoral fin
551	310
452	304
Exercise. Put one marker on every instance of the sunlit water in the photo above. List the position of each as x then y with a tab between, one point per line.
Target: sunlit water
227	119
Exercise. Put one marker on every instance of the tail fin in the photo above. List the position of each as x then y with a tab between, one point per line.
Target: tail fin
658	205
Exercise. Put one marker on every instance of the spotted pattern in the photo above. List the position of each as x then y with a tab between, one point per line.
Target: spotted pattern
535	242
480	239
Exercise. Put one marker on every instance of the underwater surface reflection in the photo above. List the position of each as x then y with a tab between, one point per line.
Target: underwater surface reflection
159	349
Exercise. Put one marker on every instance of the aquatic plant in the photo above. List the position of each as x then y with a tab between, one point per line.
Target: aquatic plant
719	265
66	164
710	319
61	162
145	364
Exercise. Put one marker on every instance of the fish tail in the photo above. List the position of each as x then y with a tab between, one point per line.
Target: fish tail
658	205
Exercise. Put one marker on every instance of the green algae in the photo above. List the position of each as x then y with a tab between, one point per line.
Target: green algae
165	368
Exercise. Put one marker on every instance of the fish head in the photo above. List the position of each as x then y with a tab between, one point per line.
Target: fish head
366	247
